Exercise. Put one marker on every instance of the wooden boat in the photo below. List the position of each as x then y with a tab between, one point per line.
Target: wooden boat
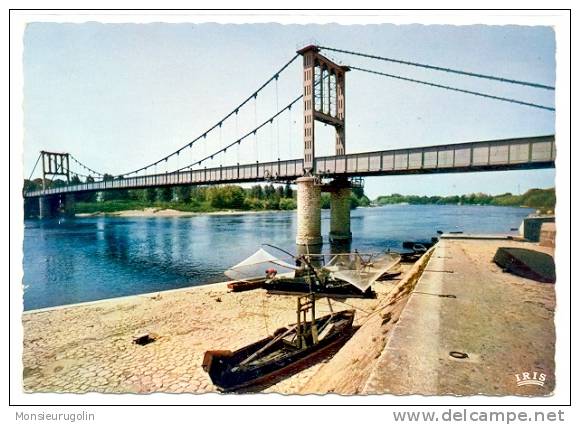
246	285
289	350
413	245
302	285
292	348
390	275
527	263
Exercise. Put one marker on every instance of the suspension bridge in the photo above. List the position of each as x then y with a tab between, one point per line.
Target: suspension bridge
323	99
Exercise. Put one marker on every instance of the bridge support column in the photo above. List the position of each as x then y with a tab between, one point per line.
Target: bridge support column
340	214
43	207
47	206
308	212
313	251
69	205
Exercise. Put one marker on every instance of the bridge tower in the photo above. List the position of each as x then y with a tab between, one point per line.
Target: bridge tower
55	164
324	100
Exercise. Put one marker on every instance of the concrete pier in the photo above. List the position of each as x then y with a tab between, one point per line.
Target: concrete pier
308	212
69	205
47	206
340	215
52	206
43	207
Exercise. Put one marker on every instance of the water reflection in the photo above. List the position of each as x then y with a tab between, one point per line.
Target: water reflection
340	247
73	260
312	252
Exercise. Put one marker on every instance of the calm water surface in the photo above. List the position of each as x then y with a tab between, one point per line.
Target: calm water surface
85	259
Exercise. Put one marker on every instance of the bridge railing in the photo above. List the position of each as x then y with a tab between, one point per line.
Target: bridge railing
278	170
476	155
532	152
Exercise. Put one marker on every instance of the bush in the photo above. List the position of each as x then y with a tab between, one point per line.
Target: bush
253	204
287	204
364	201
227	197
184	194
272	204
534	198
165	194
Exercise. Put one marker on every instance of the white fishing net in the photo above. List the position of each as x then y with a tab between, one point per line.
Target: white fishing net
361	270
256	265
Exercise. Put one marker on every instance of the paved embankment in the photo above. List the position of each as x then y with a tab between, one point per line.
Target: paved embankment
464	303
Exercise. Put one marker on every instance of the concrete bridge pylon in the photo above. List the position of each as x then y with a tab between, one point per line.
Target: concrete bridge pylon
340	212
324	100
308	212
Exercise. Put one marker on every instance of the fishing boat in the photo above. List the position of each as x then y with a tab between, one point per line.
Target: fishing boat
333	288
414	245
287	351
290	348
246	285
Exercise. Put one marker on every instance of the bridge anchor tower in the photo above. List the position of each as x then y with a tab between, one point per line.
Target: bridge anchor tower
324	101
55	164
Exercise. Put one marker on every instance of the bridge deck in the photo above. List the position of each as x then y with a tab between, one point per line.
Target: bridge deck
494	155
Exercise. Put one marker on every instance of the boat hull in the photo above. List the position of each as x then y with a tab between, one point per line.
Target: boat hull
527	263
223	366
290	286
246	285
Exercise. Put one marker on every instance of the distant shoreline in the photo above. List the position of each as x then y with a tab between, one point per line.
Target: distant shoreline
167	212
541	199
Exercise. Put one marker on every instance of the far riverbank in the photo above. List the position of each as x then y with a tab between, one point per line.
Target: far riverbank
167	212
155	212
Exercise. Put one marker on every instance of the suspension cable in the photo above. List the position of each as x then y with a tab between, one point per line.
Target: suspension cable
74	173
82	175
256	151
251	132
84	166
277	122
245	136
290	144
34	168
443	69
237	134
427	83
219	123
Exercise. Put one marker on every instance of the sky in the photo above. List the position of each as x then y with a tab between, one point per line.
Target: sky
121	96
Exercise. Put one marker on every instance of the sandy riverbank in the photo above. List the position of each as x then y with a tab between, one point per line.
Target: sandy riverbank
90	346
167	212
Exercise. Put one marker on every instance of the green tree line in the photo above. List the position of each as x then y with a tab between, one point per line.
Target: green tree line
192	198
544	199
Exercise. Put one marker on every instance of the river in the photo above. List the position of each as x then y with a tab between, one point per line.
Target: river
84	259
